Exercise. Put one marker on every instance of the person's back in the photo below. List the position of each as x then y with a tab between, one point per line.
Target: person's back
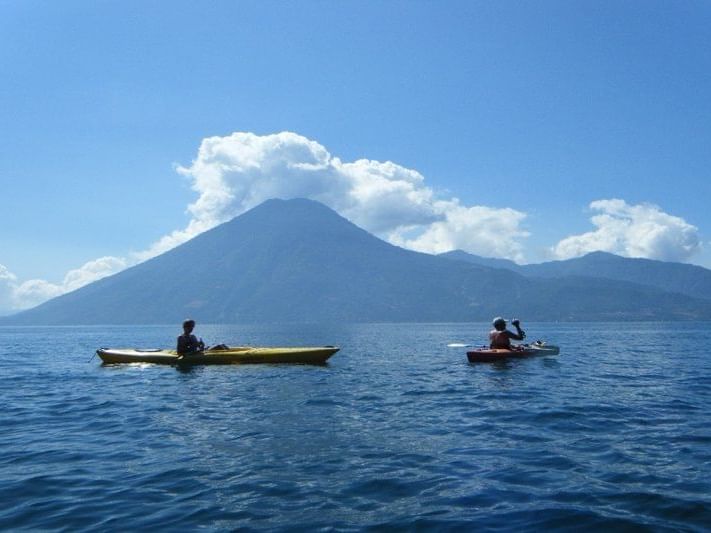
499	340
500	337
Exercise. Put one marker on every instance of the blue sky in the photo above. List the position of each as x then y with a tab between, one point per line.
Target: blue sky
510	125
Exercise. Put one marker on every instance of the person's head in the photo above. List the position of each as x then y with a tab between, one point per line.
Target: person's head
499	323
188	325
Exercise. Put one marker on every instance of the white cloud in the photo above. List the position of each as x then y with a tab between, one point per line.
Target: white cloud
486	231
6	276
34	292
16	296
8	281
235	173
642	230
92	271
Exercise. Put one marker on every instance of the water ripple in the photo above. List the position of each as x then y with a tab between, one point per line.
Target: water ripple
397	432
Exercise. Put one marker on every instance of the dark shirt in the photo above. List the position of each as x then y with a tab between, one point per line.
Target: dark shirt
188	344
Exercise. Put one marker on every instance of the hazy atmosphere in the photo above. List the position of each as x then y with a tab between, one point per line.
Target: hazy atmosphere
531	132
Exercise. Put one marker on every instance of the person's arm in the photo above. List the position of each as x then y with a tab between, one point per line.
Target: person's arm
195	345
520	334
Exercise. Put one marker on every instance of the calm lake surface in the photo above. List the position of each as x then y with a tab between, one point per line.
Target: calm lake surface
397	432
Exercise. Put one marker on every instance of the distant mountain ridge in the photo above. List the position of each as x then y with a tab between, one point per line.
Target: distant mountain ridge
691	280
299	261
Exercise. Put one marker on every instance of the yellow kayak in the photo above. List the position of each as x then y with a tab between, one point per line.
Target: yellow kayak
226	356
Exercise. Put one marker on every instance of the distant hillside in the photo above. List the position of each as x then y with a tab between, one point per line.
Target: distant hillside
490	262
691	280
298	260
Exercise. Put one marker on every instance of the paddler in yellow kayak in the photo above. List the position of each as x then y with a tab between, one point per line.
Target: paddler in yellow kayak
500	337
187	342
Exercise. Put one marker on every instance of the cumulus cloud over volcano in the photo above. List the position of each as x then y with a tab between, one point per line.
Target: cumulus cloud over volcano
633	231
232	174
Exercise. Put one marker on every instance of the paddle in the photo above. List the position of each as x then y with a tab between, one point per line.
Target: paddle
461	345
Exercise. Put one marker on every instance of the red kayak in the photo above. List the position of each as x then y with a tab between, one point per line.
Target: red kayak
486	355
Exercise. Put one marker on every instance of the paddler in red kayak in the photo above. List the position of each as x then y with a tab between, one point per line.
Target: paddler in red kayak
500	337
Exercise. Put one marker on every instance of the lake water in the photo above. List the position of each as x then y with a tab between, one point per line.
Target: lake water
397	432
